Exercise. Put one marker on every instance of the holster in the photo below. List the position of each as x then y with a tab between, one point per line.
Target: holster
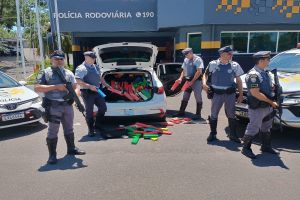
46	103
47	117
210	93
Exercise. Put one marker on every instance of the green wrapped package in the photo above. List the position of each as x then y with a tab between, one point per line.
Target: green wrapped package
146	93
149	136
135	139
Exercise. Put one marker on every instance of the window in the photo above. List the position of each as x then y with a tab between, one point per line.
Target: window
287	40
238	41
251	41
263	42
194	42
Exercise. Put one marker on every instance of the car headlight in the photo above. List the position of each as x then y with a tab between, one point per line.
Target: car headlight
289	101
2	106
36	100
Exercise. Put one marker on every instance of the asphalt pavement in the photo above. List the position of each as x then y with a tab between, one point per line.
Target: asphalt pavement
179	166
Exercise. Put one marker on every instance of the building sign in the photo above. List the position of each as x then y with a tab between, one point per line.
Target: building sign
151	15
105	15
253	11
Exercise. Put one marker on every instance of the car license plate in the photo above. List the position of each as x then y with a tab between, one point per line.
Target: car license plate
13	116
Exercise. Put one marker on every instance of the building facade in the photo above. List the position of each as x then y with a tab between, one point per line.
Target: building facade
248	25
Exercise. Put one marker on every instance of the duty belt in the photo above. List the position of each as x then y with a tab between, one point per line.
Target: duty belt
58	103
230	90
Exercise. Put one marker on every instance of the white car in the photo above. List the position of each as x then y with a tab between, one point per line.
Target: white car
18	104
128	68
288	67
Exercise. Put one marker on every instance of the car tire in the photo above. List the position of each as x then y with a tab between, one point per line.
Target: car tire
163	119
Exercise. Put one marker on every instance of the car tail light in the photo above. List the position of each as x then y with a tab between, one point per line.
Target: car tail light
160	90
298	46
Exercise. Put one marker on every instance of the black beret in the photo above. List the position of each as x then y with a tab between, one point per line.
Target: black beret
262	54
90	54
186	51
226	49
57	54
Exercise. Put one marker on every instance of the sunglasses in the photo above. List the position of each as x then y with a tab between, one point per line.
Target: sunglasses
59	59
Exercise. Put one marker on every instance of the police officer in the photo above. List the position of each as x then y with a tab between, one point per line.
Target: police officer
59	111
88	76
259	84
220	75
192	71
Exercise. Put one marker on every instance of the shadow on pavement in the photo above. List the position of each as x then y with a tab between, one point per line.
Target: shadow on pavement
68	162
107	133
21	131
230	145
268	160
287	141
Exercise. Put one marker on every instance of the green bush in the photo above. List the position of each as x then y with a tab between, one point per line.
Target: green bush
32	78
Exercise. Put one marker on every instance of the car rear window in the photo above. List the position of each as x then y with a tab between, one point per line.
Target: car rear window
125	55
173	69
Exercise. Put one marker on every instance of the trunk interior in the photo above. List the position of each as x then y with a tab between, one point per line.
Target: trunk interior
128	86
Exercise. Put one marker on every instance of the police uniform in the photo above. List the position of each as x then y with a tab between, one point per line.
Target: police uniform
58	110
190	67
223	86
260	112
91	74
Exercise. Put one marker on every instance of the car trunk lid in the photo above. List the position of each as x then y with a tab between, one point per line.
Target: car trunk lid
126	56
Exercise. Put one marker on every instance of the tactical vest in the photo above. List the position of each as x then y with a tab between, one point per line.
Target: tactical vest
93	75
53	79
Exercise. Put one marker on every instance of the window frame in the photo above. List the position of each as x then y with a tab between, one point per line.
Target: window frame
188	38
260	31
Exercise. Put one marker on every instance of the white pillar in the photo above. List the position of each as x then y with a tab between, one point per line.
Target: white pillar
37	13
20	38
57	25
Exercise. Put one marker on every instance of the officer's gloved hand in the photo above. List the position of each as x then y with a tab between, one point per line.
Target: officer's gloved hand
93	88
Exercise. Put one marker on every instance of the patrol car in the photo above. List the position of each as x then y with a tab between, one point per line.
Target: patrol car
288	67
133	61
18	104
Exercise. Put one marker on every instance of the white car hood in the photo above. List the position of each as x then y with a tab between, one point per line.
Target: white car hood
290	82
16	94
139	65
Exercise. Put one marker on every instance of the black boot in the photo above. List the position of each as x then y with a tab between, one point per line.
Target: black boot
247	151
72	150
99	118
90	123
181	112
52	143
266	143
232	126
213	129
198	112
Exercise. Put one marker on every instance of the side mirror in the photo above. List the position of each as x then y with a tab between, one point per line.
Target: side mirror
23	82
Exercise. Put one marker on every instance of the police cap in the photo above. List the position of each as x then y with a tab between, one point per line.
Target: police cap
186	51
226	49
90	54
262	54
57	54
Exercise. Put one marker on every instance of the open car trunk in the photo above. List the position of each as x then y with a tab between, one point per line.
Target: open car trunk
128	86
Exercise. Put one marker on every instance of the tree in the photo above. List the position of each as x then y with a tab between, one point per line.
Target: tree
7	13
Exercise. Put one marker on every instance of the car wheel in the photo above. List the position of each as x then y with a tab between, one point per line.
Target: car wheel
163	119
